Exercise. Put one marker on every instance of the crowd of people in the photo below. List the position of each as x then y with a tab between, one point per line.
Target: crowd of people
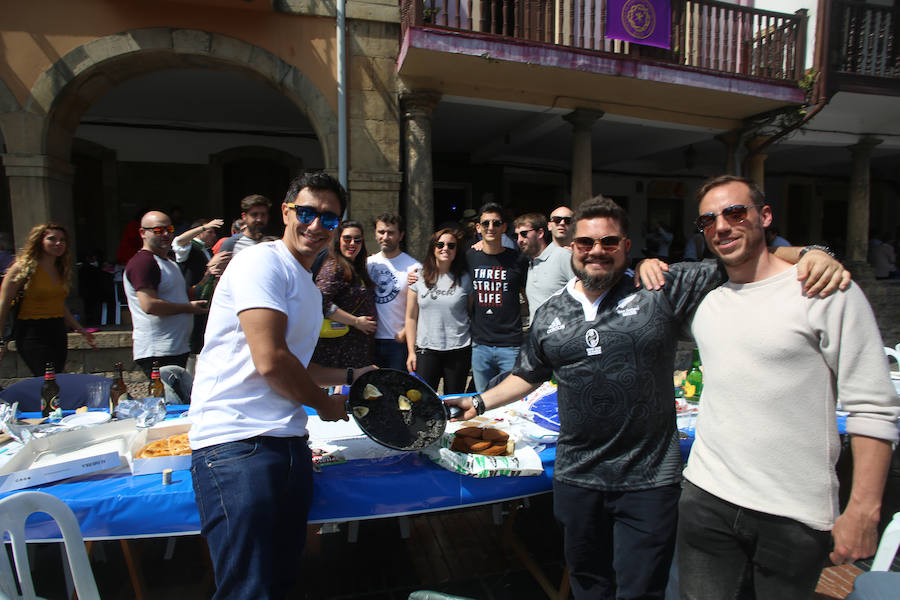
782	330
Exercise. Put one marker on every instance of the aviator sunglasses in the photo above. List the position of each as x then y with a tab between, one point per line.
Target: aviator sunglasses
488	222
307	214
159	229
733	214
609	243
450	245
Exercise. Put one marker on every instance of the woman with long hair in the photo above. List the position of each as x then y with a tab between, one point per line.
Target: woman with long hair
438	309
42	269
348	297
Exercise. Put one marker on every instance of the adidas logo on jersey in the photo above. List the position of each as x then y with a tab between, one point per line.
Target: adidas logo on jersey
556	325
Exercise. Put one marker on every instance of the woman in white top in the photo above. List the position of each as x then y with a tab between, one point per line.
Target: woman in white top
438	309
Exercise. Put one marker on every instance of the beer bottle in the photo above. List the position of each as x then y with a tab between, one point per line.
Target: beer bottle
117	389
156	389
49	391
209	286
695	376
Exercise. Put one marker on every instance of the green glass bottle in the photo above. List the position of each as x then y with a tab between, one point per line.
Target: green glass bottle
695	377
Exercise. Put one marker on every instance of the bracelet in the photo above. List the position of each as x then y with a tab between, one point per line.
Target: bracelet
478	404
350	376
824	249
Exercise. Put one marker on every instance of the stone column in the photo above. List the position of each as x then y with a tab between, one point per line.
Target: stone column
582	120
730	140
858	207
418	110
40	190
756	168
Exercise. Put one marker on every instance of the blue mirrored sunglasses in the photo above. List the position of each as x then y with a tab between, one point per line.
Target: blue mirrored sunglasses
307	214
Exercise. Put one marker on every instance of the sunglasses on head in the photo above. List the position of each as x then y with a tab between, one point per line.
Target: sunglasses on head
610	243
348	239
307	214
488	222
558	220
450	245
159	229
733	214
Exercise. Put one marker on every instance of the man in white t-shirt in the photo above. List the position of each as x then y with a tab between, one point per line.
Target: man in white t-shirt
389	270
251	465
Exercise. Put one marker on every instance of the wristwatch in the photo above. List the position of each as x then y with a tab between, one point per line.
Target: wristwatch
350	376
478	404
824	249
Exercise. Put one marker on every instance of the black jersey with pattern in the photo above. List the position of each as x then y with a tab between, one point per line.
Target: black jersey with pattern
616	406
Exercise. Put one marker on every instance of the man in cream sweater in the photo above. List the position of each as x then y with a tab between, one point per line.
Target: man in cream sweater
761	498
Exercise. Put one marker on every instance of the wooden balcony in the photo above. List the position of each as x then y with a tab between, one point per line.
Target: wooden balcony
863	47
710	36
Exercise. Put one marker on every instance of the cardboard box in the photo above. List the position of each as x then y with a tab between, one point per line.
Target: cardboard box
143	466
67	454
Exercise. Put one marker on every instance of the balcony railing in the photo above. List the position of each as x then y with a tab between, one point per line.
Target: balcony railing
710	35
864	39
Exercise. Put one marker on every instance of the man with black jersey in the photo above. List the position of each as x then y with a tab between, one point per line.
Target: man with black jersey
611	348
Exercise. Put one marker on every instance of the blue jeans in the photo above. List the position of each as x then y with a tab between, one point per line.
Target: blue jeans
618	545
723	546
253	497
390	354
490	361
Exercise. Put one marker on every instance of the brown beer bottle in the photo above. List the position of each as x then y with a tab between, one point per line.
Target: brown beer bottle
117	389
156	389
49	391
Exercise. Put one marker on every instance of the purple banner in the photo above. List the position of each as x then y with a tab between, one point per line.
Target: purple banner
646	22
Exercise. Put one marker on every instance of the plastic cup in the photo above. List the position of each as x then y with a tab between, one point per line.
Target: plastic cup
98	394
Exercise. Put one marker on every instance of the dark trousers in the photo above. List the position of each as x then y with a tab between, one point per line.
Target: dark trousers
452	365
253	497
146	363
39	341
722	547
618	545
390	354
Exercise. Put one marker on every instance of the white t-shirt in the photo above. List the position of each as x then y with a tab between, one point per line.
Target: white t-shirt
231	401
389	275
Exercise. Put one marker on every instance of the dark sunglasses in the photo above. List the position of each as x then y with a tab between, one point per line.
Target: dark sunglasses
558	220
733	214
450	245
610	243
525	232
159	229
347	239
307	214
488	222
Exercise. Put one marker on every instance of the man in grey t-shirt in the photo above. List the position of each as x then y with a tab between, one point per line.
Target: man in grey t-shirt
549	266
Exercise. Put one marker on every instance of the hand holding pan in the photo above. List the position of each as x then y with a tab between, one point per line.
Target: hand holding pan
412	422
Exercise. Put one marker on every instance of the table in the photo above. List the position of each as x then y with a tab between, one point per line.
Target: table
119	505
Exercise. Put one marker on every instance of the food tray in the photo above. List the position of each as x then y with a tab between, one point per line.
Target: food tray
144	466
67	454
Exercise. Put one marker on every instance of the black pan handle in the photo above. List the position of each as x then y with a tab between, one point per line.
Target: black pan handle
454	412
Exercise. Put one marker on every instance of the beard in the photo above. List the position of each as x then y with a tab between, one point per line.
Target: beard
597	283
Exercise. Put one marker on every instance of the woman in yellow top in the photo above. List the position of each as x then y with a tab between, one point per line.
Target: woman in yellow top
43	268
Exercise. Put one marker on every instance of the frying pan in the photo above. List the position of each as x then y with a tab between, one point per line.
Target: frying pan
385	423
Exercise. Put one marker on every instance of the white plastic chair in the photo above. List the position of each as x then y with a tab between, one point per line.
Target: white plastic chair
13	512
887	547
893	353
876	584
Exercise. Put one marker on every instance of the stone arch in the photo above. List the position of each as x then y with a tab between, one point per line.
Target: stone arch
63	92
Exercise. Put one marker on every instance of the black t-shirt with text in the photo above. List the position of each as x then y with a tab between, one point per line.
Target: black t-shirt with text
498	280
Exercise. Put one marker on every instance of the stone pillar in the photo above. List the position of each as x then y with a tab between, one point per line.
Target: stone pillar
418	110
582	120
40	190
756	168
858	207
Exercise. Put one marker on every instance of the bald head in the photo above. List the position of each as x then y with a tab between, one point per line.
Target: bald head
561	226
156	233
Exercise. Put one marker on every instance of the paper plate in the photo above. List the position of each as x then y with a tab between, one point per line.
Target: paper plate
86	418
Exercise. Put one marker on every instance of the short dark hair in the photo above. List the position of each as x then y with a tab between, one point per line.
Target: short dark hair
254	200
756	194
389	218
601	206
236	225
490	207
319	181
536	221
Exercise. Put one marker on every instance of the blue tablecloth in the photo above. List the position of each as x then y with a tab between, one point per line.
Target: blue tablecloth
123	506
